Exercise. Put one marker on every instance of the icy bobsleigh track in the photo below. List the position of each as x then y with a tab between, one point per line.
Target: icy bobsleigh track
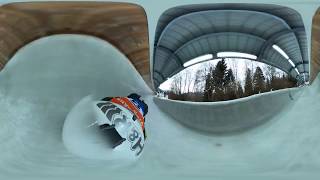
46	78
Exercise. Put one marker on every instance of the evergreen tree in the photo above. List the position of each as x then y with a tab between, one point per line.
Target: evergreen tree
230	86
219	79
258	81
207	90
239	92
208	87
229	77
248	87
219	73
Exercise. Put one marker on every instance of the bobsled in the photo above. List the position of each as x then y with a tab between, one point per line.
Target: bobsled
121	126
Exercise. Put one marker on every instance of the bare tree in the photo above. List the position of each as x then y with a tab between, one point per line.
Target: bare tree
188	80
269	71
199	79
176	85
234	66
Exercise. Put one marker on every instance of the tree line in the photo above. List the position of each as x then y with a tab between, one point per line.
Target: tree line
220	83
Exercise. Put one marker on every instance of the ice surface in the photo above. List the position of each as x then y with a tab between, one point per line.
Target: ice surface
45	79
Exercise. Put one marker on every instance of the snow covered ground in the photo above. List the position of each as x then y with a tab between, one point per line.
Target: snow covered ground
45	79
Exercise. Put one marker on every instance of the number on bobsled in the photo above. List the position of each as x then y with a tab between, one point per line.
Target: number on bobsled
112	119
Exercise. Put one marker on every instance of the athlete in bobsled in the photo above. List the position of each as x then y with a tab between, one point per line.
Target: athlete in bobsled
123	118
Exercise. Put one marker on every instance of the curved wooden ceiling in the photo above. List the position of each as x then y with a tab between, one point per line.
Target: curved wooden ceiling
122	24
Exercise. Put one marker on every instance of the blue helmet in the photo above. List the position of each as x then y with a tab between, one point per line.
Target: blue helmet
139	103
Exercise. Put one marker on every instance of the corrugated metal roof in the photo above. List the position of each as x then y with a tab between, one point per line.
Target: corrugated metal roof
186	32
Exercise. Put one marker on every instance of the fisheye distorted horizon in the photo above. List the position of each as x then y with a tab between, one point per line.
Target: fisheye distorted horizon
238	65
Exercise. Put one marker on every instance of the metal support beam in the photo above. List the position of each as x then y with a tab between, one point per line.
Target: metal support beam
156	80
297	29
298	64
160	74
172	54
269	42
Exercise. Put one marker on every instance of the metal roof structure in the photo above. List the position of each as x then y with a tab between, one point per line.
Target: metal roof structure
186	32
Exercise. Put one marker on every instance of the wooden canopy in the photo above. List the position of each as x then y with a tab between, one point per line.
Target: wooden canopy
122	24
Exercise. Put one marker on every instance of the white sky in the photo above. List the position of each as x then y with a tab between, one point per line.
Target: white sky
238	66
